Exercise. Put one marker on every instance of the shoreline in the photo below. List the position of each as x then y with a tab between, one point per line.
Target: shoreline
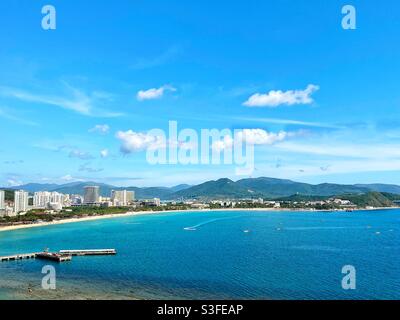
141	213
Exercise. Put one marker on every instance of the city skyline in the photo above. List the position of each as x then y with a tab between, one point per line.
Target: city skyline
77	103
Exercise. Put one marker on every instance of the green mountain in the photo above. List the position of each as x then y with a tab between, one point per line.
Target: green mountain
222	188
373	199
34	187
264	187
389	188
105	189
8	195
78	188
151	192
269	188
300	198
180	187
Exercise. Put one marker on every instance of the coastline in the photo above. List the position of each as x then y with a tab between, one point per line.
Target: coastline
118	215
140	213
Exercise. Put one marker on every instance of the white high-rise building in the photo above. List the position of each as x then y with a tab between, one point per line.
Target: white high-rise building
76	199
43	198
92	194
20	201
2	200
122	197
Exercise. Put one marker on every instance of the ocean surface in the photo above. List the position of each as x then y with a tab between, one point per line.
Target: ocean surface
213	255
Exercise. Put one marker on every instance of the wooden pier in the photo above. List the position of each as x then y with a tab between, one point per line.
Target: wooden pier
95	252
19	257
61	256
54	256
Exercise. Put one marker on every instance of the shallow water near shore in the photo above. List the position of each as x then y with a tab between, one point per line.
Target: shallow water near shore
211	255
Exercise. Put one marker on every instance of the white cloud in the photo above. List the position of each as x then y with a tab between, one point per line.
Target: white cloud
261	137
69	178
153	93
14	183
225	143
100	128
104	153
276	98
137	141
132	141
252	137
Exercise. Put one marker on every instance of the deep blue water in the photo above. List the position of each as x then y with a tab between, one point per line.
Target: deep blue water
285	255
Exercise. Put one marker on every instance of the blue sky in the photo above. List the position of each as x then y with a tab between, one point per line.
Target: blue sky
65	94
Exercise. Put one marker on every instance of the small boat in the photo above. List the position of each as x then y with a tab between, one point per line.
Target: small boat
246	231
190	229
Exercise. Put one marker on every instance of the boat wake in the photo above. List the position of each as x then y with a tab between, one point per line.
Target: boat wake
197	226
190	229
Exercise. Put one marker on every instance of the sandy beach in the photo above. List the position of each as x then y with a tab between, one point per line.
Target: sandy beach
127	214
74	220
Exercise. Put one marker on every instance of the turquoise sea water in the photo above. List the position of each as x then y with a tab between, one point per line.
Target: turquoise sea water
207	255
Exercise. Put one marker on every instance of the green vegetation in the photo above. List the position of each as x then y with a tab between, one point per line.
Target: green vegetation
297	201
301	197
9	195
38	215
220	189
262	187
268	188
30	217
391	196
372	199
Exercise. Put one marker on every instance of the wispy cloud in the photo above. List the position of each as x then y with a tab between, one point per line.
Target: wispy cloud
87	168
70	178
166	56
76	153
153	93
276	98
6	113
12	162
100	128
362	151
292	122
14	183
77	100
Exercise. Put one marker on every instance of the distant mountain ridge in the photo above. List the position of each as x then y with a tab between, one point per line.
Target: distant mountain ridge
224	188
267	188
105	189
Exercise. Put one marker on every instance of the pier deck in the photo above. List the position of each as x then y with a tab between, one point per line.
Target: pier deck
54	256
22	256
61	256
95	252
